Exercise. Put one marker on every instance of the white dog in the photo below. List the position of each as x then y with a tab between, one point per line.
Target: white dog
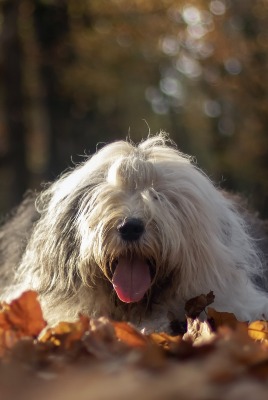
133	233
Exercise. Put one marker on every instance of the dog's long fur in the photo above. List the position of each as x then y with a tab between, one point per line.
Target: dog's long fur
194	238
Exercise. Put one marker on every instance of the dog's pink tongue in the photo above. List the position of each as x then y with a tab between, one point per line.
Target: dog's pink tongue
131	279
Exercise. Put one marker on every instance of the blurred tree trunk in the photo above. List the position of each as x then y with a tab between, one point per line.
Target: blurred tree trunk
11	64
52	27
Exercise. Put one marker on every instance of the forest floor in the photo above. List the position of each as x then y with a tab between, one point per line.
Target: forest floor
101	359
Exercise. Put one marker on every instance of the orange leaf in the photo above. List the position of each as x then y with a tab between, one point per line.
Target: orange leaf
258	330
129	335
4	323
65	333
24	315
164	340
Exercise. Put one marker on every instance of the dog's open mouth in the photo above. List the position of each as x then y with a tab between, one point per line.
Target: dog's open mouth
132	278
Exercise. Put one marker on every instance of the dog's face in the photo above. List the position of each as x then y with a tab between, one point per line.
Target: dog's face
140	221
140	217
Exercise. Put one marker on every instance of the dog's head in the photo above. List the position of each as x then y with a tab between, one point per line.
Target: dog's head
140	218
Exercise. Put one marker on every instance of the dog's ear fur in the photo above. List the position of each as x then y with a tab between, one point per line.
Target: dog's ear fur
54	246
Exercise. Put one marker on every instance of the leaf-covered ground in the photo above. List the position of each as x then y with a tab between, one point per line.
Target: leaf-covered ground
103	359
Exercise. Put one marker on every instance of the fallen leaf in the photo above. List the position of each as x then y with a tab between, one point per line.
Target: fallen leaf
258	330
21	318
223	318
23	315
65	334
126	333
195	306
101	340
164	340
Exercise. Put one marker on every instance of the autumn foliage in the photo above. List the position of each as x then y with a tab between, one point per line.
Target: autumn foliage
87	356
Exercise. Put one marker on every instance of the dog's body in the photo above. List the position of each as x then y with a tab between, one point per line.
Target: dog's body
132	234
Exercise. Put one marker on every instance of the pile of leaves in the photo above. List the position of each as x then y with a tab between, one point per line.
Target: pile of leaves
219	358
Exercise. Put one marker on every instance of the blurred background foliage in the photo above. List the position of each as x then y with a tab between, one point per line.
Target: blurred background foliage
81	72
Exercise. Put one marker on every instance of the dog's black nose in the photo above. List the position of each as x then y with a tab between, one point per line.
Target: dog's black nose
131	229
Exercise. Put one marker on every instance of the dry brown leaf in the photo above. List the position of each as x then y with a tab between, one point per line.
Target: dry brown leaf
195	306
223	318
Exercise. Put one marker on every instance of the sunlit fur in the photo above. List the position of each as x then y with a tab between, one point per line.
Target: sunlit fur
193	234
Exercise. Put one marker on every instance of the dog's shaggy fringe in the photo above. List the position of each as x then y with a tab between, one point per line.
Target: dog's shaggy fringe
193	233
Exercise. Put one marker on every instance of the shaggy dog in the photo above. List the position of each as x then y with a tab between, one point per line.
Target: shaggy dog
132	233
